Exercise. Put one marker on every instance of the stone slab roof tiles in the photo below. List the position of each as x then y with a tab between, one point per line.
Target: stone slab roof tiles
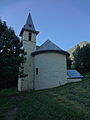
29	26
49	46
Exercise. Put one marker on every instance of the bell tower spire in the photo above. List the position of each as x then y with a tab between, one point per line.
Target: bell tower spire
28	34
29	26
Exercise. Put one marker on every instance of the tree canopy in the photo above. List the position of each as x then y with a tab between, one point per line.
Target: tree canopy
11	54
81	60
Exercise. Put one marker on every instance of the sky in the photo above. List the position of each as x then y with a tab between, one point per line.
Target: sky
64	22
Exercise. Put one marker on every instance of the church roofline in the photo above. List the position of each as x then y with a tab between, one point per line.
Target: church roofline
50	51
49	46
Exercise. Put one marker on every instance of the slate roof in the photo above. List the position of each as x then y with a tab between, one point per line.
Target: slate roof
49	46
29	26
73	74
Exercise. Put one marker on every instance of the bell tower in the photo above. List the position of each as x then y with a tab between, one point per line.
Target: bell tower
28	35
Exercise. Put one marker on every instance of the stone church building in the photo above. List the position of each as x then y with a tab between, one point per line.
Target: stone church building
45	64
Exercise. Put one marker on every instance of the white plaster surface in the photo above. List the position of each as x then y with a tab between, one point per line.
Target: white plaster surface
29	46
73	80
52	70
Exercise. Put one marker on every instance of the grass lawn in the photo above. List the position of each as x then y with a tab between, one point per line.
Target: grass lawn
69	102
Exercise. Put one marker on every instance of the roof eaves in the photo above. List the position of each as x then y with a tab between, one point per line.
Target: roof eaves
43	51
37	32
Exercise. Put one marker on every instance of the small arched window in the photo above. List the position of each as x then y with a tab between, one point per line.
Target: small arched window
30	36
36	71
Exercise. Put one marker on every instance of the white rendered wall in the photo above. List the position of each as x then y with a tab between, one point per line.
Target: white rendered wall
73	80
29	46
52	70
26	34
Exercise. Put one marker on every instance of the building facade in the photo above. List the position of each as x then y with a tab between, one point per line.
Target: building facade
45	64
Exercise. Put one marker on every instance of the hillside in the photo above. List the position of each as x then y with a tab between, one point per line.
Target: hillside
68	102
81	44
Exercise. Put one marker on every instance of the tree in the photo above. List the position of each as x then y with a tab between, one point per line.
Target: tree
11	55
81	60
69	62
86	59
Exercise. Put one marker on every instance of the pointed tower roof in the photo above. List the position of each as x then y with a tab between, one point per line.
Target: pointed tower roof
29	26
49	46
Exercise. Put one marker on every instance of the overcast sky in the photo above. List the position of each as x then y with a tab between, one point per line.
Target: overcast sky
64	22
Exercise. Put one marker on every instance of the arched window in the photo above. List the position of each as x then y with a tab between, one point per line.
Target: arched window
30	36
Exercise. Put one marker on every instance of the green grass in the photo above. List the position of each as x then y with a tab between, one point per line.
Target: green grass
68	102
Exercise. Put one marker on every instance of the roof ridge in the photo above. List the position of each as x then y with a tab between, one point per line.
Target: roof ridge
49	45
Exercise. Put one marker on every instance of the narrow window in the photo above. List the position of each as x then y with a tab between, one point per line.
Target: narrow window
30	36
36	71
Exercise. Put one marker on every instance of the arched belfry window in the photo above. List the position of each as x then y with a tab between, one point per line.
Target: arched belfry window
30	36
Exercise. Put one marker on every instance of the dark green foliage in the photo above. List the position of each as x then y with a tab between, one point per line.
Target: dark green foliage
11	55
69	62
81	60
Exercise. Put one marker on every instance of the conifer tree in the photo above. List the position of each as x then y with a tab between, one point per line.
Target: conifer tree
81	60
11	55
